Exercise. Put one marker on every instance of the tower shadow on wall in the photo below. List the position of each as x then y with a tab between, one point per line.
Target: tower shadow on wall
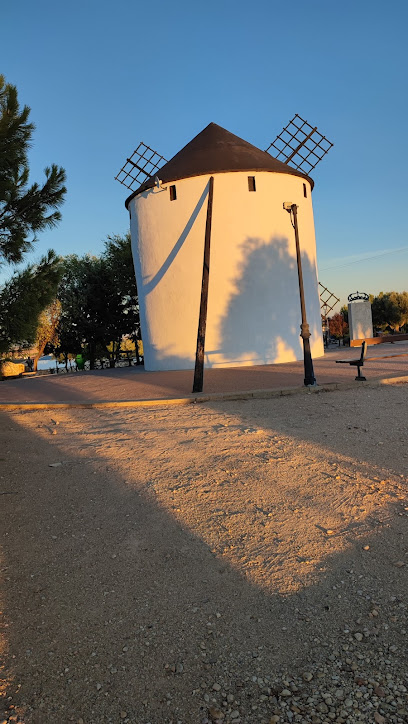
263	315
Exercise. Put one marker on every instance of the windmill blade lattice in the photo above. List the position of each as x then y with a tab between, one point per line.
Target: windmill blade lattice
300	145
328	300
143	163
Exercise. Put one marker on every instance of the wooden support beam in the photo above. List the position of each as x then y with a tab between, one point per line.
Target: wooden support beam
202	322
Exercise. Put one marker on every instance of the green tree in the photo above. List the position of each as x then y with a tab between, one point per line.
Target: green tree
71	324
76	324
344	313
24	210
22	299
124	307
99	302
400	299
385	311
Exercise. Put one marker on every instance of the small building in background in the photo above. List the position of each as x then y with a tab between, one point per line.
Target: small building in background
254	311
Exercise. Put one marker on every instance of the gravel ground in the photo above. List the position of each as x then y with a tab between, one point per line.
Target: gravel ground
235	562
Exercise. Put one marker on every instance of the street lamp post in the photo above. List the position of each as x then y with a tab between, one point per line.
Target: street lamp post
310	379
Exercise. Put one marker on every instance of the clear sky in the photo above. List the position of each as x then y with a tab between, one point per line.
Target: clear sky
100	76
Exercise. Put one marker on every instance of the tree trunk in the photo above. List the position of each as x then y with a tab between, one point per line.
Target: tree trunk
91	355
116	351
137	348
38	355
112	355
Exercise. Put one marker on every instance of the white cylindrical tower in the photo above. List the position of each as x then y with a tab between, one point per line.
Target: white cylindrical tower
253	301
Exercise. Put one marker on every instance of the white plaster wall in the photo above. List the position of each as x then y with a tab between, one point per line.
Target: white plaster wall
253	306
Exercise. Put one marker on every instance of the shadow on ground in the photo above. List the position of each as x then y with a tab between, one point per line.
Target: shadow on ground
131	584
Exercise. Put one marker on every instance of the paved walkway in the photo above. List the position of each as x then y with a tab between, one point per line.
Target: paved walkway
134	384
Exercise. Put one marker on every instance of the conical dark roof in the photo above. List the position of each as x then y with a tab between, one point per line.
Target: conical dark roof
216	150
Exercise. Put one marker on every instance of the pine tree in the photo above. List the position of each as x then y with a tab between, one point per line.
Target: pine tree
24	210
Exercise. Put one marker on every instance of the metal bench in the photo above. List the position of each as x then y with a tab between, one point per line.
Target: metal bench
356	362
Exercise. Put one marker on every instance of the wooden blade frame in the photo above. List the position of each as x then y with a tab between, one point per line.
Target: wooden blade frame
300	145
143	163
328	300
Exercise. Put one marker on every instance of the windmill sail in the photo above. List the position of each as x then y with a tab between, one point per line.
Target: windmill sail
328	300
300	145
142	164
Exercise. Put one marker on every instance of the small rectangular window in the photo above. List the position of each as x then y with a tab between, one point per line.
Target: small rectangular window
173	194
304	191
251	183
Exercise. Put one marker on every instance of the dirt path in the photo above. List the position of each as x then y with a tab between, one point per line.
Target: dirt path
231	562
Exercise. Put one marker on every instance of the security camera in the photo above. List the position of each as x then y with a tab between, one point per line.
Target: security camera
287	205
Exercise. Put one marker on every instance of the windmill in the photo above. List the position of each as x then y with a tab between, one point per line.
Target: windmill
299	144
168	232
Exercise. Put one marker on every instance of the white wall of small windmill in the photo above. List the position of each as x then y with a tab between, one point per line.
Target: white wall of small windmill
253	305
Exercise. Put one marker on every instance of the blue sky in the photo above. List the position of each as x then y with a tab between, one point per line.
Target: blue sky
101	76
